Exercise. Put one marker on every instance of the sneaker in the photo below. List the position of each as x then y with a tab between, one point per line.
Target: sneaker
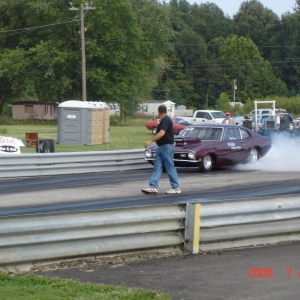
174	191
150	191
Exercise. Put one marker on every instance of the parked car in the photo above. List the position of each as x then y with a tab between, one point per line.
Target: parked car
178	125
206	116
215	145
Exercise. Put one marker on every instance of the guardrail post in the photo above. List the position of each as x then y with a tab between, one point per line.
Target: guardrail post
192	227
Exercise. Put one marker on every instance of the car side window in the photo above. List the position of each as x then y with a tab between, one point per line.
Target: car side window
245	134
200	114
236	133
207	116
232	134
228	134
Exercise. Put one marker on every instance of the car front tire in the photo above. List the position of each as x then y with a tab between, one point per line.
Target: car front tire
206	163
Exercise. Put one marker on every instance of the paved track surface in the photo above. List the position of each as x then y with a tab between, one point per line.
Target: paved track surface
218	275
113	190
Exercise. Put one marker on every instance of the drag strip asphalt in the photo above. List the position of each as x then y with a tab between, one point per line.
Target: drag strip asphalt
51	194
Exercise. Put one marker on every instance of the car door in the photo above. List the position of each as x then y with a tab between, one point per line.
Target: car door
231	149
199	118
208	117
245	144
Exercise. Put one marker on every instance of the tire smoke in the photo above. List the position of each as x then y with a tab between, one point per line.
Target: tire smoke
282	157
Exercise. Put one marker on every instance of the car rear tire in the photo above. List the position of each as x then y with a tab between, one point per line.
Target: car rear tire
253	155
154	130
206	163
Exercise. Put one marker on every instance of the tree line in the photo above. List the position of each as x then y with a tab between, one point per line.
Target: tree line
138	50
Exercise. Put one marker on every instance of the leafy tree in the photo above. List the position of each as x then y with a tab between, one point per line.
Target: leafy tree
209	21
191	49
255	77
122	64
297	5
180	14
223	102
286	55
258	23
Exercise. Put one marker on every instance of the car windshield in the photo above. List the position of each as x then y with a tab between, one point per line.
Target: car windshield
204	133
218	114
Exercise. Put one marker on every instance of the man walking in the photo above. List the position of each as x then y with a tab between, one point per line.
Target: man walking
164	139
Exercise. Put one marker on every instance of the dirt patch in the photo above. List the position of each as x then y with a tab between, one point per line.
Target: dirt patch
108	262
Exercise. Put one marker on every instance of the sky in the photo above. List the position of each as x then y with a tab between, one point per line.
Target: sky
231	7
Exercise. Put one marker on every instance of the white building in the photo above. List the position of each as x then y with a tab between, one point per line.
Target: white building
150	107
114	109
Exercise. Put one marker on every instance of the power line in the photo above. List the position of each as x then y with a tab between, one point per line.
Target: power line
143	42
38	27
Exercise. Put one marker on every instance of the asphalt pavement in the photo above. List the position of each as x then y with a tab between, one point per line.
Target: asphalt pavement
270	272
123	189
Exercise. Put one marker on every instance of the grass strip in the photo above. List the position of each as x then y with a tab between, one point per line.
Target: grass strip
34	287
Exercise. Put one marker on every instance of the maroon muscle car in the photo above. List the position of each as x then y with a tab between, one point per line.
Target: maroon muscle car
208	146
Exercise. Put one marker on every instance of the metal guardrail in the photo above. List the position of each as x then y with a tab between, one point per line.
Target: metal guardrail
249	222
41	164
44	238
33	239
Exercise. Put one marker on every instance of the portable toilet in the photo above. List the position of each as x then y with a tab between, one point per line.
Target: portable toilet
100	122
82	123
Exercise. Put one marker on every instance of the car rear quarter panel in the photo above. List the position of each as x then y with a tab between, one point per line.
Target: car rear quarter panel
262	143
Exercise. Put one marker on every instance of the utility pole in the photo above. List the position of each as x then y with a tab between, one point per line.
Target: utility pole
234	89
86	6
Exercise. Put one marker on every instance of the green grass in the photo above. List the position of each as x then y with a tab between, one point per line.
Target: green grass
32	287
121	137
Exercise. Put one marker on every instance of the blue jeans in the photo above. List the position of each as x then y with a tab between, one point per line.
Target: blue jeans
164	159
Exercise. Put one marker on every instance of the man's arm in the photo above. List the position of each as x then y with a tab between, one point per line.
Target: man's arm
158	136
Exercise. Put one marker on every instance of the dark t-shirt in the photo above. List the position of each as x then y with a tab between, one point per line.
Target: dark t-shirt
165	124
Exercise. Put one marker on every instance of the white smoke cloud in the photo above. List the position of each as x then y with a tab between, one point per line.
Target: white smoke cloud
284	156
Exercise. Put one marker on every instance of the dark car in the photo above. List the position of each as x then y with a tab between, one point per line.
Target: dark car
178	125
208	146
